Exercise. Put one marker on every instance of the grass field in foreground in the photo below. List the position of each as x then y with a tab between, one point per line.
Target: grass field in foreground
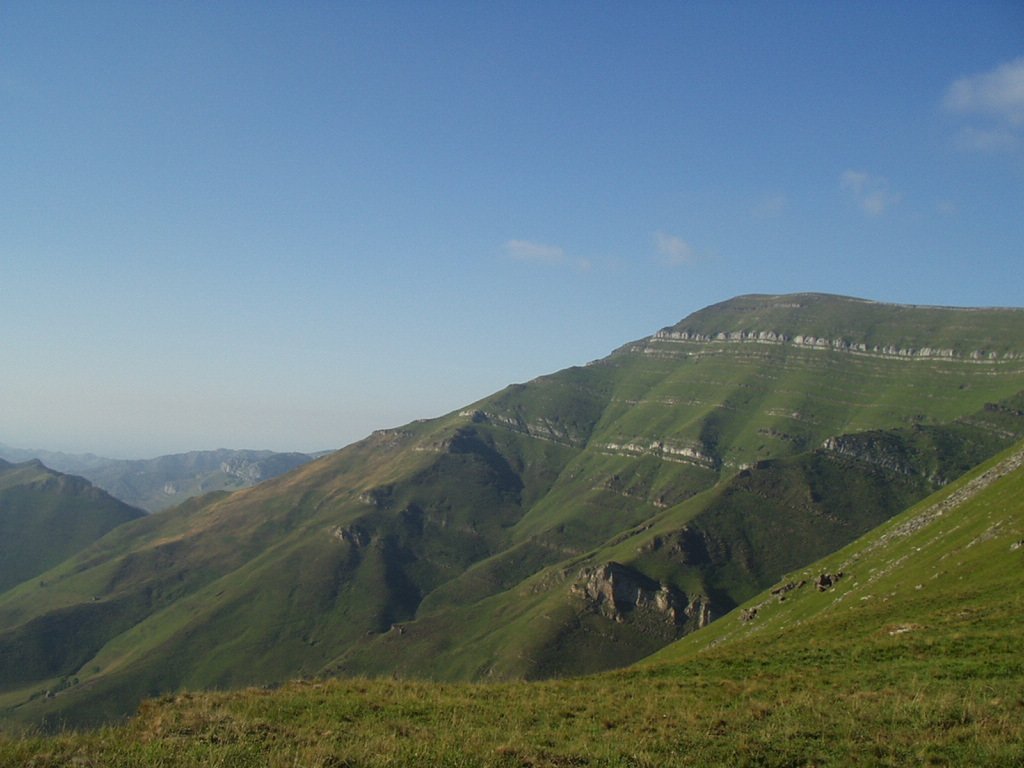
755	711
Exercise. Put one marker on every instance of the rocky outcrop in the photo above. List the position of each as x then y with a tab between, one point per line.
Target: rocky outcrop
389	439
826	581
539	429
250	472
381	497
780	593
880	449
624	594
686	545
665	450
352	535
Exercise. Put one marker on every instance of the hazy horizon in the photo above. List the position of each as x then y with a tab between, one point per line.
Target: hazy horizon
282	227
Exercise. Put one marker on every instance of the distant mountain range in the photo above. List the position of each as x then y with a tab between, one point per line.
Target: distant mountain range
578	522
163	482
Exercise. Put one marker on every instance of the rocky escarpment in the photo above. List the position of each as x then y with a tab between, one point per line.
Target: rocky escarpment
666	450
623	594
935	453
652	345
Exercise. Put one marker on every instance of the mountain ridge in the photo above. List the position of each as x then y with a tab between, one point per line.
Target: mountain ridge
164	481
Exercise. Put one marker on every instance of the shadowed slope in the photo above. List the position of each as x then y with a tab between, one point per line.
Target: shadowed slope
46	516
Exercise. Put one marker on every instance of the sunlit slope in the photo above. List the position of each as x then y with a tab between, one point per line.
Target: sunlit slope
501	540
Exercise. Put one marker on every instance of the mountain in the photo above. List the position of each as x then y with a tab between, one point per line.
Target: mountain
46	516
163	482
903	648
571	524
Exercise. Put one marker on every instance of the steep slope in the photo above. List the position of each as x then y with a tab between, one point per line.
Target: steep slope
687	565
46	516
566	525
163	482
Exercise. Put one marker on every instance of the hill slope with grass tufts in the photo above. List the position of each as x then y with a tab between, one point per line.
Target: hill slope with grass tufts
571	524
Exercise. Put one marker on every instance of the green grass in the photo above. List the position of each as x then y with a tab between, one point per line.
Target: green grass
829	705
710	714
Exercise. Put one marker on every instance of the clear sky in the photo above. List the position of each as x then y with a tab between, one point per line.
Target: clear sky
284	225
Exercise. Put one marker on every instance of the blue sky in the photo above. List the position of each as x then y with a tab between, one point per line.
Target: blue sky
284	225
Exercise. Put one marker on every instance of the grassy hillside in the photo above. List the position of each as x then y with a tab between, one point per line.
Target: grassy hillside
911	657
564	526
45	517
682	567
